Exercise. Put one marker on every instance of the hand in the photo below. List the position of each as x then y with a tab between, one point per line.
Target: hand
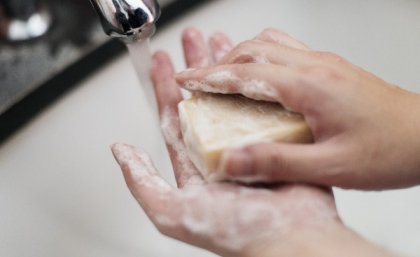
228	219
366	131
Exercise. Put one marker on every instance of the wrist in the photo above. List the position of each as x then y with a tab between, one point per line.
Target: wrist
417	117
329	241
399	166
412	130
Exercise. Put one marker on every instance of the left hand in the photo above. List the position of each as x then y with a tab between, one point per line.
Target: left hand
365	130
228	219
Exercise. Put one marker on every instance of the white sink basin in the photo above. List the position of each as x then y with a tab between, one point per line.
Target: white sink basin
61	193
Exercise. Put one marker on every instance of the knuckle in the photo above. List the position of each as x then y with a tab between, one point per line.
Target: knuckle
245	52
243	57
269	163
329	56
279	165
267	32
247	44
251	51
270	32
240	54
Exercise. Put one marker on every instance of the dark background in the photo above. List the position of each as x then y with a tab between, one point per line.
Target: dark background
35	74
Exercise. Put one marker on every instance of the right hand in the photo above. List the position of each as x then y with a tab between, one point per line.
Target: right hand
366	131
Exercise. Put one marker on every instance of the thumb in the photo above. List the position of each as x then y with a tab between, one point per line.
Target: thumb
279	162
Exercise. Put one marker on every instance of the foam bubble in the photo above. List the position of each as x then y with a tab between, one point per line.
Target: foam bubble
165	221
169	125
141	168
258	90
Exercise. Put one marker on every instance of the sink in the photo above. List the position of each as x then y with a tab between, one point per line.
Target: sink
35	73
62	194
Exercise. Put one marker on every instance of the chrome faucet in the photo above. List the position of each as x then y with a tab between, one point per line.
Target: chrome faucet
129	20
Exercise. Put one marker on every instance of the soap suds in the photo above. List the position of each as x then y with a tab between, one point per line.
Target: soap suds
258	90
231	217
196	85
172	135
221	77
140	167
261	59
232	229
197	226
220	45
225	82
226	216
221	51
165	221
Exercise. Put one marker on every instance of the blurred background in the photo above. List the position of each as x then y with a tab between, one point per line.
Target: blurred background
67	92
46	46
40	38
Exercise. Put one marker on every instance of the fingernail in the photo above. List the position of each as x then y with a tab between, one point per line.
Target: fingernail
120	152
236	163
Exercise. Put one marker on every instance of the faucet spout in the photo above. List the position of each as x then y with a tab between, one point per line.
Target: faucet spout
129	20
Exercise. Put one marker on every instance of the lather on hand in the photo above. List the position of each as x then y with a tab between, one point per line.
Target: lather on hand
366	131
227	218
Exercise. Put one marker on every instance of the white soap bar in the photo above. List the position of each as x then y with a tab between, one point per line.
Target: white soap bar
211	123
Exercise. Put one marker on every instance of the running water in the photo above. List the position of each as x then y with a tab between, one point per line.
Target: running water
150	139
141	58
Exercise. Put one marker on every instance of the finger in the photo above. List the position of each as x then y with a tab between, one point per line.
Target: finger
158	199
257	81
271	35
220	45
185	171
142	179
256	51
168	96
279	37
282	162
196	51
272	46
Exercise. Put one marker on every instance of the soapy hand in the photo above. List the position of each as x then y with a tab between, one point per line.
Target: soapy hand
366	130
226	218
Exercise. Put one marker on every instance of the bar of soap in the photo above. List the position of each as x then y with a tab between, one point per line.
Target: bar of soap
211	123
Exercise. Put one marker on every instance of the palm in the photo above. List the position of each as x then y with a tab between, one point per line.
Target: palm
232	217
222	217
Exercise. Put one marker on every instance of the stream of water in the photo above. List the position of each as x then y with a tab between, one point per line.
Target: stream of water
141	58
150	138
